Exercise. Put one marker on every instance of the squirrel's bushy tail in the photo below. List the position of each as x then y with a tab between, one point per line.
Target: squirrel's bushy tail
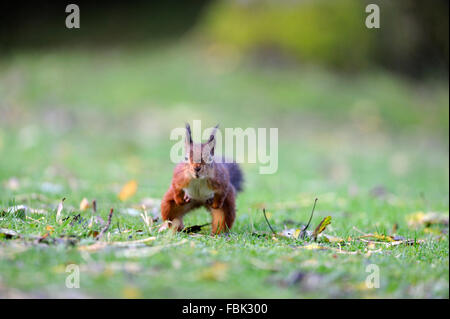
236	176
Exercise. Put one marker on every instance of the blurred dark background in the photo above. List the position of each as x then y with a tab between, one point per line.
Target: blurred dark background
412	40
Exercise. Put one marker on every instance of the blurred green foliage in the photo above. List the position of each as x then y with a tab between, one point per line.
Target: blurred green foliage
325	32
412	38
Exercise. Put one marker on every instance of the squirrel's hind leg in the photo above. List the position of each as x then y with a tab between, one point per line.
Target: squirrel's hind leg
223	218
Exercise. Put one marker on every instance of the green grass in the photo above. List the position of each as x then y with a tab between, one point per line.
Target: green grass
79	124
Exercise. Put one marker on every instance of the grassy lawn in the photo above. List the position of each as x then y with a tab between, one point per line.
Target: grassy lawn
373	148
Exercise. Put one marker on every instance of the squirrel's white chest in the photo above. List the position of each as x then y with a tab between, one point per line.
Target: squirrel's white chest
198	190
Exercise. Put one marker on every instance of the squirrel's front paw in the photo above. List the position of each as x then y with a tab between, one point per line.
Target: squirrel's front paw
186	198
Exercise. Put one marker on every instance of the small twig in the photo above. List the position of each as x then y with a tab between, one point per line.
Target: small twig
108	223
59	210
312	214
303	232
93	213
147	221
264	212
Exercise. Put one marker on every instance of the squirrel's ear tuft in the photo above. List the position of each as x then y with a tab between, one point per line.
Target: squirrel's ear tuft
209	147
213	133
188	134
188	142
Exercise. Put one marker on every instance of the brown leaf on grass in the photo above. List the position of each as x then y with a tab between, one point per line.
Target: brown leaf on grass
321	227
50	229
84	204
128	190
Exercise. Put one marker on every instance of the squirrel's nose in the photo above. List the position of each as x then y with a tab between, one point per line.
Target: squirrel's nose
197	168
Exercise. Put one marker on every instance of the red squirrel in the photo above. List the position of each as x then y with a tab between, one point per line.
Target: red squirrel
202	182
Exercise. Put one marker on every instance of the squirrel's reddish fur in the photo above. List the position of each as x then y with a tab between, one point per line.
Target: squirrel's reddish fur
204	183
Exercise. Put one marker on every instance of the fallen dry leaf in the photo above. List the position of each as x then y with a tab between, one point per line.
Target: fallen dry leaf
84	204
50	229
321	227
128	190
